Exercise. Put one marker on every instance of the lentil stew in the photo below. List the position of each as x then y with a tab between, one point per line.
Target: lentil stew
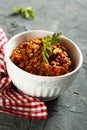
31	56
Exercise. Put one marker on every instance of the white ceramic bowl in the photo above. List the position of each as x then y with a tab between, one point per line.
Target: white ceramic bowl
44	87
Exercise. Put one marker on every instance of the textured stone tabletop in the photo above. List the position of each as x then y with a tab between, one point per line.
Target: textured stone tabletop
68	112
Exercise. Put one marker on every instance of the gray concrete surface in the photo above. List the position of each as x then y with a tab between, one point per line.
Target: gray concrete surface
69	112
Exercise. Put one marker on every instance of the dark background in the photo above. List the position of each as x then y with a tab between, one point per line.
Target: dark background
69	112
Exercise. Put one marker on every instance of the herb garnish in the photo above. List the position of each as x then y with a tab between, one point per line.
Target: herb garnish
25	12
47	42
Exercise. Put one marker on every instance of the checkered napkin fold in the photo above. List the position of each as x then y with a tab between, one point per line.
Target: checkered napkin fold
12	101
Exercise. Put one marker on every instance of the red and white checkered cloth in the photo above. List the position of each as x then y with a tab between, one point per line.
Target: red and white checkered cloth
12	101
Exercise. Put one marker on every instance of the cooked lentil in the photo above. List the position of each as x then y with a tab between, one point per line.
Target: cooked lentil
28	56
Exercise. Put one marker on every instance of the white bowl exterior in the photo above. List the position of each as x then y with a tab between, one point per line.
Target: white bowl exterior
41	86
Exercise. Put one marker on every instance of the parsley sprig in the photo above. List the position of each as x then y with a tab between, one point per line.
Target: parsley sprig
47	42
25	12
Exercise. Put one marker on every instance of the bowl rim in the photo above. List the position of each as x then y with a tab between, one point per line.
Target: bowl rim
7	59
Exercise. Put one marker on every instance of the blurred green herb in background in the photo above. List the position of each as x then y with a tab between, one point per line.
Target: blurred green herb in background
25	12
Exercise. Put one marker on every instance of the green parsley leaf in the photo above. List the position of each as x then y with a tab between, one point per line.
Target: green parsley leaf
25	12
48	41
55	37
44	56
